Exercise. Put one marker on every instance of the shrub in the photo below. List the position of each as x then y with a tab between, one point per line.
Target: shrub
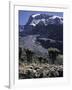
20	52
29	55
59	60
40	59
53	53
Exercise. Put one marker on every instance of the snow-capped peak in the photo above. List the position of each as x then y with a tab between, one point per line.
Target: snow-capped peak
34	15
45	19
53	17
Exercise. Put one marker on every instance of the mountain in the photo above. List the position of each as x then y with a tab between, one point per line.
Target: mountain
44	19
46	29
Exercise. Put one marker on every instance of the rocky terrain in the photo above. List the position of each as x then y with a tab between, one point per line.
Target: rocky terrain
40	71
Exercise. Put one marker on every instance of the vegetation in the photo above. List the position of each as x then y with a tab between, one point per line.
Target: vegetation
40	59
20	52
53	53
32	66
40	71
29	54
59	60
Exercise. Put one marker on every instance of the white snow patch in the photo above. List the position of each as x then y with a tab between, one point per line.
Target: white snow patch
50	20
34	22
35	15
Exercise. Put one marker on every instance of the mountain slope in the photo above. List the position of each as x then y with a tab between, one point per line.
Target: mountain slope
47	30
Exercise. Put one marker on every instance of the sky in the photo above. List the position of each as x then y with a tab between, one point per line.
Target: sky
24	15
